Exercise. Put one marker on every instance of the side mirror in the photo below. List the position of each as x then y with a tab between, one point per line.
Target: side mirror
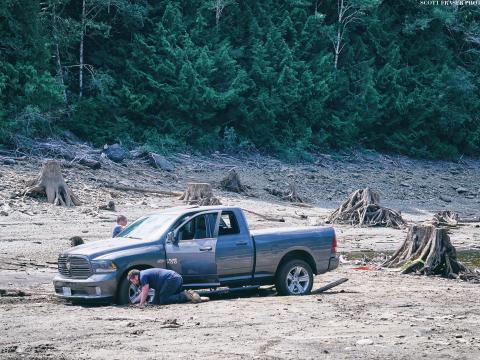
171	237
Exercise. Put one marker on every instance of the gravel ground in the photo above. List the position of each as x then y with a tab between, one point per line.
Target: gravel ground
375	315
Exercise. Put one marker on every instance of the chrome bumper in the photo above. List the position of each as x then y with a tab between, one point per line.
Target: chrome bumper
96	287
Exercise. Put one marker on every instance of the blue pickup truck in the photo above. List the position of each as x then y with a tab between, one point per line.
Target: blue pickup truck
209	246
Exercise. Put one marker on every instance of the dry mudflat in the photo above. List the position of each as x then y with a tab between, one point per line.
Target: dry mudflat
375	315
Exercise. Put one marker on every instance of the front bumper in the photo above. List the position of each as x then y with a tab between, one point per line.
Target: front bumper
333	264
96	287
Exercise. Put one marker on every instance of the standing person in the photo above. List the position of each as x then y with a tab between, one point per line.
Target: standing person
121	223
167	285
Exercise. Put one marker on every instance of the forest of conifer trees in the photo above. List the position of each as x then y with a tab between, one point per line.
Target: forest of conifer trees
285	77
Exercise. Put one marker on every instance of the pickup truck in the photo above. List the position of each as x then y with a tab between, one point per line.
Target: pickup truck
210	246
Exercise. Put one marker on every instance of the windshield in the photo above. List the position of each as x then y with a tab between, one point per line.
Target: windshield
148	227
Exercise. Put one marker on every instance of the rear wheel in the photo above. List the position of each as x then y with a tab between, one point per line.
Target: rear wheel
128	293
295	277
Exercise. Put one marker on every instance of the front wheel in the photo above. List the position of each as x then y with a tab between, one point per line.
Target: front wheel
129	293
295	277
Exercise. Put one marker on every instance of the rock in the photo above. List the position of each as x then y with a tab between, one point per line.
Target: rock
92	164
3	213
115	152
461	190
110	206
8	161
445	198
405	185
365	342
160	162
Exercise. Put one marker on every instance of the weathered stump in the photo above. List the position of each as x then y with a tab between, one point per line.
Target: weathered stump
427	250
231	182
50	181
445	218
200	194
362	208
292	195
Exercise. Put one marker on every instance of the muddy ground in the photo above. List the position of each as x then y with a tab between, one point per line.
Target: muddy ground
376	314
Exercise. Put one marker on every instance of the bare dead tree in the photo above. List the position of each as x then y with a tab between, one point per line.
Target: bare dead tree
348	11
218	6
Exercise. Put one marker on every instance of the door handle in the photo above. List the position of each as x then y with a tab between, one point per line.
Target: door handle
241	243
207	248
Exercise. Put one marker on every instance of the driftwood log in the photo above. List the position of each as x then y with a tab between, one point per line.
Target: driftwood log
200	194
362	208
427	250
50	181
231	182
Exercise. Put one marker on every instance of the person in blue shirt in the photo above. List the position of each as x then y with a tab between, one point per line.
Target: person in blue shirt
121	223
167	284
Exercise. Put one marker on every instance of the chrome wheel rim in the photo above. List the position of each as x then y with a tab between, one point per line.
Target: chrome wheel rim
297	280
134	292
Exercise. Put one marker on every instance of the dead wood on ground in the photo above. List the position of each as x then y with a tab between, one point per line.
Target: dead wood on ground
445	218
199	194
231	182
427	250
362	208
141	189
50	181
291	194
266	217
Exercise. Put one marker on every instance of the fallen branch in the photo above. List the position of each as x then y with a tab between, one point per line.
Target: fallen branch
329	286
142	190
266	217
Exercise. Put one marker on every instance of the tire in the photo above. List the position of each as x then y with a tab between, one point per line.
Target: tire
127	291
295	277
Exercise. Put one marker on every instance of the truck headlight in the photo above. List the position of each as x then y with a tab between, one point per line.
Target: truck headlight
103	266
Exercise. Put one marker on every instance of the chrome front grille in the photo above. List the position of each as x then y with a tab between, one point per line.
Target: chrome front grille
74	266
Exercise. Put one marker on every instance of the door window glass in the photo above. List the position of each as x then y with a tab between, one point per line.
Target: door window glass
200	227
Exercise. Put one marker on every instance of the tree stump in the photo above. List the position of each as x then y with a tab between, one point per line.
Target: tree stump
292	195
50	181
231	182
200	194
362	208
427	250
445	218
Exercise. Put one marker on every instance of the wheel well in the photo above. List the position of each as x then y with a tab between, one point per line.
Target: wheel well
139	267
300	255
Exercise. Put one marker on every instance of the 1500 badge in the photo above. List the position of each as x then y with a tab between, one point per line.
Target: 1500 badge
172	261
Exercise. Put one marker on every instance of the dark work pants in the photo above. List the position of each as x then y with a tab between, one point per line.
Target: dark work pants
170	292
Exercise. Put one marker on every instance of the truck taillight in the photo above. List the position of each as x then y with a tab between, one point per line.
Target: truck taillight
334	243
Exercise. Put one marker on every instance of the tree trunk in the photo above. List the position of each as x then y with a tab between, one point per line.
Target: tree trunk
82	38
427	250
51	182
200	194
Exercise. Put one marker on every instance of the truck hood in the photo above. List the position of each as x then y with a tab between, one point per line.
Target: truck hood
107	246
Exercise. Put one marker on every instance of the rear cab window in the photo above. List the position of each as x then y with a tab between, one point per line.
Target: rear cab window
228	224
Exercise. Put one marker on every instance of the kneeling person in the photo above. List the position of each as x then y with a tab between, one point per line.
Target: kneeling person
167	285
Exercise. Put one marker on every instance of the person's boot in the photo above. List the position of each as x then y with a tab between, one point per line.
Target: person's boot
204	298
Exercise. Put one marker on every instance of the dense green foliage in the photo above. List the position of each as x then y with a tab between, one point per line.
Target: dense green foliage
256	75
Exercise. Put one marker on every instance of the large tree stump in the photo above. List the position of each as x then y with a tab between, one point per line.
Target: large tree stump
231	182
290	194
200	194
50	181
427	250
362	208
